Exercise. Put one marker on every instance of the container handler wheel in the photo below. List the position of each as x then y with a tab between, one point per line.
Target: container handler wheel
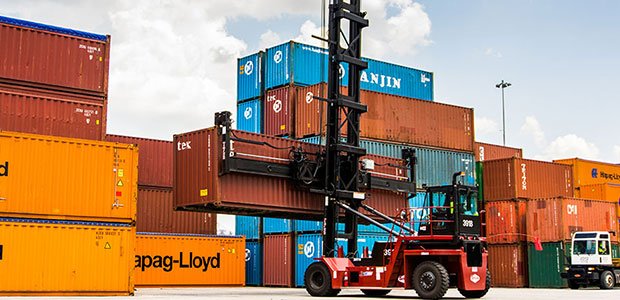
430	280
376	293
573	285
318	281
478	294
607	280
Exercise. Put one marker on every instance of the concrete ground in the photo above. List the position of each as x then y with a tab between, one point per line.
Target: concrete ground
259	293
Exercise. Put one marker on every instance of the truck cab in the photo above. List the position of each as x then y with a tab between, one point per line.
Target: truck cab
591	261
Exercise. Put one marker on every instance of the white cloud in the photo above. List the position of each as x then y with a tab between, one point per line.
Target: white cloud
568	146
494	53
532	128
269	39
485	125
616	153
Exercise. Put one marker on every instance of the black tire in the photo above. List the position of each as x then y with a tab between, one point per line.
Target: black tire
608	281
573	285
430	280
376	293
478	294
318	281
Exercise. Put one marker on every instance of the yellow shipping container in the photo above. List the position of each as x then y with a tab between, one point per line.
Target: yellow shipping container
189	260
606	191
45	257
587	172
71	179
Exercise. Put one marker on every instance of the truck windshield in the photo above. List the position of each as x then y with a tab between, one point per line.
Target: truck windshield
581	247
469	202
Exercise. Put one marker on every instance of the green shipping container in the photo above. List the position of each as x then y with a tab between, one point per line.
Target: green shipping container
615	250
545	266
479	175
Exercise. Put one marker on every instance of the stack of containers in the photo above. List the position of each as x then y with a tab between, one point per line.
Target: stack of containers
77	200
250	89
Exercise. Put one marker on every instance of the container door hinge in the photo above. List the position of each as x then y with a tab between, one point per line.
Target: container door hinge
2	198
116	204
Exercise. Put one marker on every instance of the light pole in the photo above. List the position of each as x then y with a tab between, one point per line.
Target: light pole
502	85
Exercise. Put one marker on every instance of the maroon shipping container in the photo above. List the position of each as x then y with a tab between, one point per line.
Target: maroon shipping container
505	221
199	186
45	112
308	110
53	60
514	178
278	260
508	265
556	219
155	159
156	214
277	111
486	151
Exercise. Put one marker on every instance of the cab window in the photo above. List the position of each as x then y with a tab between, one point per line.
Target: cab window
603	247
582	247
469	203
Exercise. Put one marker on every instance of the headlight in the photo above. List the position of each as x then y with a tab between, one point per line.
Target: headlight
591	269
566	268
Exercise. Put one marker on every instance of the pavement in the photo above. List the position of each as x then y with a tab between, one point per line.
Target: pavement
262	293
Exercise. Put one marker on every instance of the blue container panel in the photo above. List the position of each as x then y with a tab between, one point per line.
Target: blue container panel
309	247
249	115
277	66
277	225
51	28
247	226
417	210
308	226
253	263
249	78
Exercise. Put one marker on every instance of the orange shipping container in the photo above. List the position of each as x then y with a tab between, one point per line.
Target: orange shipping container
508	265
189	260
505	221
514	178
61	178
604	191
556	219
586	172
65	258
486	151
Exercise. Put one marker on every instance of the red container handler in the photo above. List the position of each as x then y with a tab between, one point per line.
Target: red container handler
53	58
199	186
46	112
155	159
278	260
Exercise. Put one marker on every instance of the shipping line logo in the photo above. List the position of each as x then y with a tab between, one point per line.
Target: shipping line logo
167	263
4	169
249	67
610	176
184	145
247	114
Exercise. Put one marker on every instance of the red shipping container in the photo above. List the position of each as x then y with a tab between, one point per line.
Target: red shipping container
505	221
556	219
278	260
45	112
199	186
514	178
55	60
486	151
155	159
308	111
156	214
277	111
508	265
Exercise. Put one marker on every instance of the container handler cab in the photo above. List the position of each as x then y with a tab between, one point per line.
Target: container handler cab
591	261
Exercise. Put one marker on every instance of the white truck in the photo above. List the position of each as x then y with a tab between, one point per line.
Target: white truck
591	261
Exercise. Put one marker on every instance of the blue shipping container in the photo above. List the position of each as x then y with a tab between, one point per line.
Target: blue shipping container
434	166
305	226
277	225
249	116
250	77
253	263
303	64
417	210
247	226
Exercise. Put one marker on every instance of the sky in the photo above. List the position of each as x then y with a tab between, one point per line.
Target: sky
173	62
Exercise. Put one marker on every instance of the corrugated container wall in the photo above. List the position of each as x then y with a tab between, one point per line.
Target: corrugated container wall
277	225
247	226
54	57
586	172
39	111
278	109
250	76
603	191
249	116
505	221
156	214
189	260
300	64
308	247
433	166
253	263
508	265
278	260
545	266
46	258
61	178
486	151
309	111
514	178
154	162
556	219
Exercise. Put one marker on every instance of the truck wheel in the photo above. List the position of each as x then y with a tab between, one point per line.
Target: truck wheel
430	280
376	293
573	285
478	294
318	281
607	280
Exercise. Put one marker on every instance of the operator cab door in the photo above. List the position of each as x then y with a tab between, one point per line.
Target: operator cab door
469	219
591	248
438	213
